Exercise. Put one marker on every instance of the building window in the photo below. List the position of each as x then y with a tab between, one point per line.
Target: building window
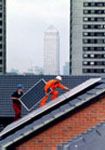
85	19
0	14
103	63
95	26
85	55
0	46
100	41
91	11
93	19
85	71
0	23
1	54
100	63
85	48
94	48
92	63
93	41
91	48
88	70
85	63
96	56
0	30
0	7
85	33
85	41
94	4
99	55
85	11
85	4
100	4
99	26
0	38
85	26
1	61
100	11
1	69
100	19
92	55
93	33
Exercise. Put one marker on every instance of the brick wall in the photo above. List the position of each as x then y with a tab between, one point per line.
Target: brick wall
68	128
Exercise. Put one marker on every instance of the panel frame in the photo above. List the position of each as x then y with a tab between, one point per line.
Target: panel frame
29	91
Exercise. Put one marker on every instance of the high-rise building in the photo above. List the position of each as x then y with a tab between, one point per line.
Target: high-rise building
87	37
66	68
2	36
51	51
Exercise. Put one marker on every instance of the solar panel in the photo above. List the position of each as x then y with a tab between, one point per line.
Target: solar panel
33	96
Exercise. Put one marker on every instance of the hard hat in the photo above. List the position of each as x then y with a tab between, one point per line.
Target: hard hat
59	78
19	86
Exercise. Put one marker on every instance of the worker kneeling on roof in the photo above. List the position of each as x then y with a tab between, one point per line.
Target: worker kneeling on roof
53	85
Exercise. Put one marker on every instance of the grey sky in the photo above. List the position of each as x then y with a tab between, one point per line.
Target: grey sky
27	20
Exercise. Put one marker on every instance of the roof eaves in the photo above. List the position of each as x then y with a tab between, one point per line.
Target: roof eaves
97	133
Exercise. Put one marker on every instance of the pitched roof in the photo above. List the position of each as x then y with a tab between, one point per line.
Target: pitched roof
39	118
8	85
93	139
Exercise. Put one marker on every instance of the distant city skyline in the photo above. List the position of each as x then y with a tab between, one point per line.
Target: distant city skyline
27	21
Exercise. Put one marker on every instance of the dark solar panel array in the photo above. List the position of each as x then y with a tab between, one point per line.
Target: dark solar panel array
94	139
33	96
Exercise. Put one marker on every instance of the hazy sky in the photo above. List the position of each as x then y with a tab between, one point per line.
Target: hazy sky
27	20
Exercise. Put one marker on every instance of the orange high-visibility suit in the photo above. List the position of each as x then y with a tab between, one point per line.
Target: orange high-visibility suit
53	85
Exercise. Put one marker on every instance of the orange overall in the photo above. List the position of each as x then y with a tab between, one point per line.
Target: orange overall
53	85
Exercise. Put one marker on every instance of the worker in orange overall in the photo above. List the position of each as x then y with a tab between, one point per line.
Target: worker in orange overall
52	85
